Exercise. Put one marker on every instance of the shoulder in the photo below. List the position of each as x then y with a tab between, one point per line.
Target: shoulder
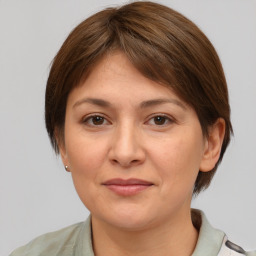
212	240
60	242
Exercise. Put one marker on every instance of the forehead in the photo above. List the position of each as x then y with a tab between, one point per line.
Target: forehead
114	76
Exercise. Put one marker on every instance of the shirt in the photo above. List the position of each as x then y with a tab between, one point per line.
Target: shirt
76	240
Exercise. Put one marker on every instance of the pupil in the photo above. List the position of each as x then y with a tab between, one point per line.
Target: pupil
159	120
98	120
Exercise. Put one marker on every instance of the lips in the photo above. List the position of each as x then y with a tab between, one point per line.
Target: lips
127	187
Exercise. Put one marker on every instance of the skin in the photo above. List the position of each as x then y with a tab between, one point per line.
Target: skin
129	132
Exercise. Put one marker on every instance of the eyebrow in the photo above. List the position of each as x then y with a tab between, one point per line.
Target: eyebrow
154	102
94	101
144	104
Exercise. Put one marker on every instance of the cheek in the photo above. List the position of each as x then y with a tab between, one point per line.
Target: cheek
84	169
85	154
86	158
178	160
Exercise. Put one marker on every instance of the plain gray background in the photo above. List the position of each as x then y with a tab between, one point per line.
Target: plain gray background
37	195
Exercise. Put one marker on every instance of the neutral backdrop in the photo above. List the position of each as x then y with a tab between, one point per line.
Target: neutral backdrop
36	194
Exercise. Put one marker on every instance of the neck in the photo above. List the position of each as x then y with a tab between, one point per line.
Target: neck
174	237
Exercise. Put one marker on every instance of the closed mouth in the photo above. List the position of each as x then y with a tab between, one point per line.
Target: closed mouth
129	182
128	187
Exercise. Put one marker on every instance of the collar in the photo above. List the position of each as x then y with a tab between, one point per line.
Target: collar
84	242
209	240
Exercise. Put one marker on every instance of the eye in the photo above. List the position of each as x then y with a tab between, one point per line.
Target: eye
95	120
160	120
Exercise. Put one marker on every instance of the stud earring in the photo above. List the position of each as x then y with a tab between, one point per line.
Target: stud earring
66	168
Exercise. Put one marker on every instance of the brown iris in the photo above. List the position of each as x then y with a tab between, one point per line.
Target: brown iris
159	120
97	120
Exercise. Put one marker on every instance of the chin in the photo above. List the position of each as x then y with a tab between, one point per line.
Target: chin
131	224
130	219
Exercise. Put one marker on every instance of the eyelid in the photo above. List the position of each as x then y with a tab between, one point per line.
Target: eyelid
87	117
168	117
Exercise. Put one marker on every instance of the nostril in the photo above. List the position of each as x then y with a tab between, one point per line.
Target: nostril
114	161
126	163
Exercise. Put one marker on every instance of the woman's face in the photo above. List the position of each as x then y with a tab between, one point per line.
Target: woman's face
133	147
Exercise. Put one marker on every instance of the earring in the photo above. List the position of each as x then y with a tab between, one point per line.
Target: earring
66	168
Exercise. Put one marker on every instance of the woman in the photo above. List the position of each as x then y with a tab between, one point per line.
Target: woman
137	106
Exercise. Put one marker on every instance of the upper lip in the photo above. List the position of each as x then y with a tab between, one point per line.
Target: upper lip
126	182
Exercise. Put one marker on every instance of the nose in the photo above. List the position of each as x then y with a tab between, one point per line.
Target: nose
127	146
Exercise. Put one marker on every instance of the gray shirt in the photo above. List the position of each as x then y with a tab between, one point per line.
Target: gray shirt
76	240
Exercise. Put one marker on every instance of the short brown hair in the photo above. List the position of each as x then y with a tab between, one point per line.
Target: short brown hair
163	45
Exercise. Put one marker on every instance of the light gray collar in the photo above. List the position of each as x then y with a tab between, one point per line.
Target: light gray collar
84	243
210	239
208	244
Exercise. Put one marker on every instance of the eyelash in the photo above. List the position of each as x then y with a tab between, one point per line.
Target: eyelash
88	120
167	119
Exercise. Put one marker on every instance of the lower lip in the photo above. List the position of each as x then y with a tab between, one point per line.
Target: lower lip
128	190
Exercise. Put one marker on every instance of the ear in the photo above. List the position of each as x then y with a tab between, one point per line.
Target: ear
213	144
61	146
